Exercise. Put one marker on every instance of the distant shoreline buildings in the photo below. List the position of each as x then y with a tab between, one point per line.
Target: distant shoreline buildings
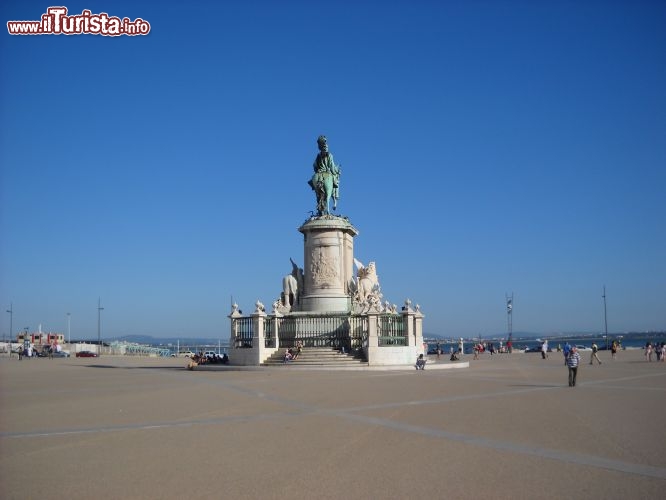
40	338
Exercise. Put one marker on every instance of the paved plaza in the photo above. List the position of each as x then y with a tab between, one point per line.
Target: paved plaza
506	427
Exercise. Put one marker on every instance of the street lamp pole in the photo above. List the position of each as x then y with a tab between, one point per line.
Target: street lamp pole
509	321
69	331
99	330
11	320
605	318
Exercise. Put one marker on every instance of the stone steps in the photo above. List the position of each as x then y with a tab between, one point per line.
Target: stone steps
317	356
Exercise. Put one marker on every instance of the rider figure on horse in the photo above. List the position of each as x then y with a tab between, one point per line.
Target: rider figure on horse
326	179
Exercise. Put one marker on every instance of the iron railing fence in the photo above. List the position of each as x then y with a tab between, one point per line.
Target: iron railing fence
269	333
244	332
391	330
333	330
358	332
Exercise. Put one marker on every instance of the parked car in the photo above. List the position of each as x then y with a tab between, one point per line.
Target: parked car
537	349
61	354
183	354
86	354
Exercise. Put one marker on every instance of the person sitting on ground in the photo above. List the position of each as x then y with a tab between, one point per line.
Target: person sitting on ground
420	362
454	356
288	356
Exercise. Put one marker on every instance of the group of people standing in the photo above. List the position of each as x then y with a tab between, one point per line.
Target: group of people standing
659	349
29	351
572	360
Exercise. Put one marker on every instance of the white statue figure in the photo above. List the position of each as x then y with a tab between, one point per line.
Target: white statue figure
292	285
367	281
374	303
259	307
289	290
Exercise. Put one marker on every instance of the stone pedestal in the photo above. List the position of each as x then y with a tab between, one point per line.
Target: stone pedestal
328	264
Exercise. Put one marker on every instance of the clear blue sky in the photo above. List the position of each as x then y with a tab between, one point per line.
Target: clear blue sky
486	148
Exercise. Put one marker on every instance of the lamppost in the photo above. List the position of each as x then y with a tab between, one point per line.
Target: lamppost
509	321
69	331
605	318
99	330
11	321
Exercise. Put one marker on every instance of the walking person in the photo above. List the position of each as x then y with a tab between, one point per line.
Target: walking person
594	355
572	363
544	349
439	350
566	350
614	349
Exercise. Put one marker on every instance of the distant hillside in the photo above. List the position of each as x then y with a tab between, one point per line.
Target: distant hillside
147	339
522	335
551	335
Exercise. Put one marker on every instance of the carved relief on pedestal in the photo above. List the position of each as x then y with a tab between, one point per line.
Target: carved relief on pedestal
324	268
